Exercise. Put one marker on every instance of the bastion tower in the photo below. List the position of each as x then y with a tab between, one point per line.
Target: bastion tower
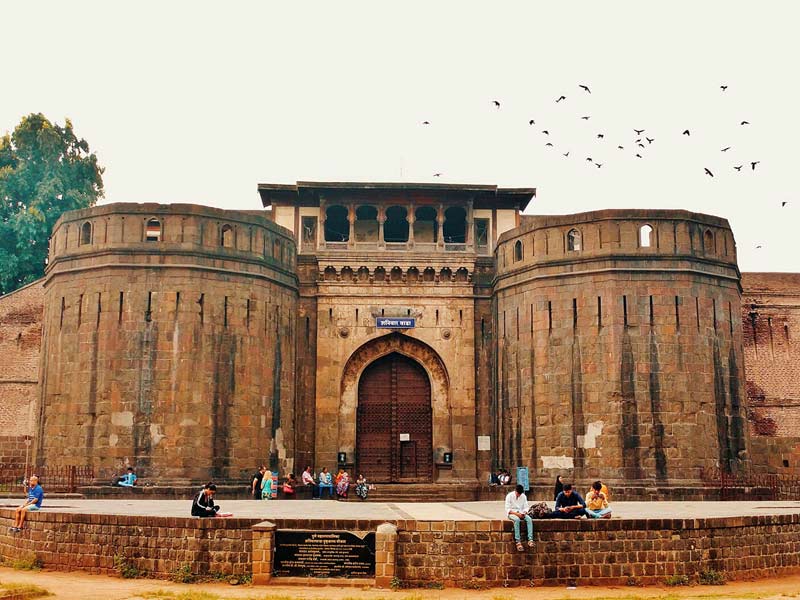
168	342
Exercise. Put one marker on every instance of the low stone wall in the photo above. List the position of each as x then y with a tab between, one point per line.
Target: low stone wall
157	546
455	553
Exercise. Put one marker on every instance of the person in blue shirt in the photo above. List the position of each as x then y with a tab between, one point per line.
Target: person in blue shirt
129	479
33	503
569	504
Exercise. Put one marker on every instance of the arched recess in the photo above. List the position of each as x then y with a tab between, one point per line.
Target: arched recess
428	358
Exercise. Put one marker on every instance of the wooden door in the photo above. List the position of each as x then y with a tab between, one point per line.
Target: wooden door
394	403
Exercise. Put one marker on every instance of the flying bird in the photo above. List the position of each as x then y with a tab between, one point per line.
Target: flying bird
589	158
560	98
426	122
638	156
639	131
650	140
496	103
753	164
784	203
739	168
723	87
531	122
709	173
544	131
600	136
725	149
620	147
598	165
567	154
759	246
585	87
437	174
639	140
585	118
640	144
745	123
686	132
548	144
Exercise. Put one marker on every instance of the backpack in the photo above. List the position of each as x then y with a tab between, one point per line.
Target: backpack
539	510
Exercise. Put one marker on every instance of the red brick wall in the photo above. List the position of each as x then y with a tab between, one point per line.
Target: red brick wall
20	341
771	324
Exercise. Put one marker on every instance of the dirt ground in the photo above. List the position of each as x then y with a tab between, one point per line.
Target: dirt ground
81	586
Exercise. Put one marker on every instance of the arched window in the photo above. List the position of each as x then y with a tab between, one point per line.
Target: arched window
645	236
573	240
226	236
366	226
708	242
426	229
396	274
396	227
337	226
86	233
152	232
518	251
455	225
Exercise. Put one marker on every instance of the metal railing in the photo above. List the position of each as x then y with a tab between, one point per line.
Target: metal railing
743	484
53	478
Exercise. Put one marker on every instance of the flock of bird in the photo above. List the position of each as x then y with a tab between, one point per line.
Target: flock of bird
638	143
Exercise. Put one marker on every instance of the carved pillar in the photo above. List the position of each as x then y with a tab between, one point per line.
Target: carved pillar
410	217
321	233
351	218
468	232
381	221
440	226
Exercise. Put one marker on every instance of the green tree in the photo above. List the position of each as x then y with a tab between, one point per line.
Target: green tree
45	170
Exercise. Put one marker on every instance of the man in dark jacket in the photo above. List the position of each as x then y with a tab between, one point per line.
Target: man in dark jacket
569	504
203	503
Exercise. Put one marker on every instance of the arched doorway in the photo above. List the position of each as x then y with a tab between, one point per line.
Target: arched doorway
394	430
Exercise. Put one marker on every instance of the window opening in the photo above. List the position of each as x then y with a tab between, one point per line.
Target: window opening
573	240
396	227
518	251
226	237
455	225
86	233
708	242
426	228
308	238
152	232
337	227
645	236
482	235
366	225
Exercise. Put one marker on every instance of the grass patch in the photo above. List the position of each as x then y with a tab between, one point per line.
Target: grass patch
711	577
26	563
126	568
23	590
676	580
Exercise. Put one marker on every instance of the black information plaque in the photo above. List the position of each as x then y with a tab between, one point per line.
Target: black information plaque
307	553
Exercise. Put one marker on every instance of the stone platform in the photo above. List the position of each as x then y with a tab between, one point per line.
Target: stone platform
455	543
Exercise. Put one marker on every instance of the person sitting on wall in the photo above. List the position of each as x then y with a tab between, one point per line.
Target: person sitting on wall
290	487
597	502
516	510
308	481
362	487
325	482
129	479
258	480
494	479
342	485
203	503
569	504
32	504
505	477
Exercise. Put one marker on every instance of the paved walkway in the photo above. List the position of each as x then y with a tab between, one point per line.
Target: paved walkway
423	511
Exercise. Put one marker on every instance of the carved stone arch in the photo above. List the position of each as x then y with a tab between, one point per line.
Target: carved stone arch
416	350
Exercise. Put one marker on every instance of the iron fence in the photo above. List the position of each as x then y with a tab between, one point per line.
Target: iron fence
743	485
54	478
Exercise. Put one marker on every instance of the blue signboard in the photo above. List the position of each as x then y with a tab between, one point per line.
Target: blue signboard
395	323
522	478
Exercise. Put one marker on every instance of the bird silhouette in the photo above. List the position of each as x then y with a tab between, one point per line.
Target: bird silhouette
585	87
725	149
560	98
426	122
723	87
548	144
784	203
531	122
589	158
709	173
566	154
686	132
640	144
496	103
739	168
638	156
759	247
745	123
620	147
544	131
437	174
639	131
585	118
598	165
754	163
638	140
600	136
650	140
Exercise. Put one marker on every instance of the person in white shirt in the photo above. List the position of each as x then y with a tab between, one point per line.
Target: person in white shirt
308	479
516	510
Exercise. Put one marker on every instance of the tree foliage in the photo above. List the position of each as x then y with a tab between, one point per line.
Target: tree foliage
45	170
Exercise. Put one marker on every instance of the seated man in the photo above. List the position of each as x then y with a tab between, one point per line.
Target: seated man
569	504
308	481
33	503
517	509
325	482
597	502
129	479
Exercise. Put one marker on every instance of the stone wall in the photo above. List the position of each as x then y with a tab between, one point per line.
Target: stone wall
771	322
619	360
175	354
20	341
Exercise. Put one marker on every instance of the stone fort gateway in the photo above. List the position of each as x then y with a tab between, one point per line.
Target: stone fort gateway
412	332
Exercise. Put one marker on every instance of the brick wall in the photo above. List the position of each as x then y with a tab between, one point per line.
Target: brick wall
20	341
771	323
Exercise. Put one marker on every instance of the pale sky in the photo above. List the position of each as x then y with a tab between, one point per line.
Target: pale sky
199	102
